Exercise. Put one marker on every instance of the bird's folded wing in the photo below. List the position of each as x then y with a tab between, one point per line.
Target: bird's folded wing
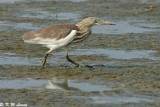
55	33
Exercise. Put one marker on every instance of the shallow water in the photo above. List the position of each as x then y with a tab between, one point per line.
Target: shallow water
9	60
119	77
13	59
21	83
10	1
118	54
116	99
63	85
122	27
17	1
142	1
51	84
119	28
73	0
43	14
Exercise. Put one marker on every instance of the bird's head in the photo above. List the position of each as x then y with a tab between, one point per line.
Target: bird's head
91	21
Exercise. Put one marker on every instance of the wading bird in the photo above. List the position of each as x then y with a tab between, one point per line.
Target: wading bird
58	36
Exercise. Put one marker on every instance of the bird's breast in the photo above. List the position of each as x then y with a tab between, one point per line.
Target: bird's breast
80	36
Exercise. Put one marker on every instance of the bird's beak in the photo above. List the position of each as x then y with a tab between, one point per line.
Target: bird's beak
108	23
105	23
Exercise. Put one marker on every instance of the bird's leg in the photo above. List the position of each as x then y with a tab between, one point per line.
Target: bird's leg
46	55
71	61
44	59
88	66
67	57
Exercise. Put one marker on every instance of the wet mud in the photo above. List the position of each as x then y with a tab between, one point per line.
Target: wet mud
124	59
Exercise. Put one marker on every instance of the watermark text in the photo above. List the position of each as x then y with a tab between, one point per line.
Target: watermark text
12	105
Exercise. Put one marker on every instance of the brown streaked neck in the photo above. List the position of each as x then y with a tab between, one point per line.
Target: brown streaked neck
84	27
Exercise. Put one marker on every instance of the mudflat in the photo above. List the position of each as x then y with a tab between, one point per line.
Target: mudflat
125	57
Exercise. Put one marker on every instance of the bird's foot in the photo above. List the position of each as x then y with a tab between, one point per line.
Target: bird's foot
88	66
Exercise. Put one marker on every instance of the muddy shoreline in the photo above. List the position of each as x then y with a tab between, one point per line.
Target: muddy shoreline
125	57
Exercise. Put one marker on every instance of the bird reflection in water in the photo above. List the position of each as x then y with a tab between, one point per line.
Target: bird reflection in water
59	85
